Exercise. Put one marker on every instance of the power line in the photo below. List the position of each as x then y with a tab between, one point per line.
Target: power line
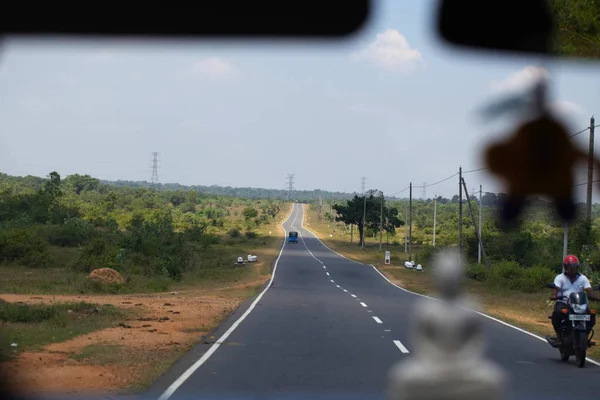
486	168
475	170
438	182
401	191
585	183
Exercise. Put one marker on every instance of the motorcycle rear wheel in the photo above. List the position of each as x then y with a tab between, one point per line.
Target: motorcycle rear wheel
564	355
580	352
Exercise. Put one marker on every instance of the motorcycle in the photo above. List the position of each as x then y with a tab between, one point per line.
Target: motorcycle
576	329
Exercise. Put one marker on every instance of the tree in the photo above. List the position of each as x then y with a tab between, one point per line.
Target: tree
577	27
352	213
79	183
249	213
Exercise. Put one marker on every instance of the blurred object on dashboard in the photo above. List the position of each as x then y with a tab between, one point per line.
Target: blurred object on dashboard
537	159
448	362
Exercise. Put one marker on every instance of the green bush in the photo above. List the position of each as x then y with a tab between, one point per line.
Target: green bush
25	246
510	275
477	272
536	278
74	232
99	253
251	235
234	233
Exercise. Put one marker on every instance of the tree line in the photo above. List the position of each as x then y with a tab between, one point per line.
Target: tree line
135	230
536	243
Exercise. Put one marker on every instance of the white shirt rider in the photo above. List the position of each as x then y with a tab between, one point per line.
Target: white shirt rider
566	287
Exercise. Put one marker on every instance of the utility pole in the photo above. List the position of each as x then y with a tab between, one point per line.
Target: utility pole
290	188
487	264
590	176
405	231
320	208
333	217
424	190
460	211
362	239
154	179
363	184
381	222
479	228
410	222
434	217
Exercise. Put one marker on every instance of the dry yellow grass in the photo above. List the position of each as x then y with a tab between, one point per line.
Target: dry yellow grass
161	328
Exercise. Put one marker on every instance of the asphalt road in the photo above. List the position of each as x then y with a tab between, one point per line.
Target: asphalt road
330	327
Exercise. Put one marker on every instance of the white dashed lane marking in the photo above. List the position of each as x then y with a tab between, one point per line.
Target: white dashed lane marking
401	346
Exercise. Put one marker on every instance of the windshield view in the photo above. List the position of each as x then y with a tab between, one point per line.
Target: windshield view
252	220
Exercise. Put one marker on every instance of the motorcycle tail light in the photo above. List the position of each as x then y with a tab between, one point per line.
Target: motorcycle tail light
564	311
592	311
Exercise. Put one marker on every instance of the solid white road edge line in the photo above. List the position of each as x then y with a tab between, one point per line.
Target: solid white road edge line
432	298
401	346
190	371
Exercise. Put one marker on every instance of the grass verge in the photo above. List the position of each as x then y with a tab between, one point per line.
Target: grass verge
28	327
124	337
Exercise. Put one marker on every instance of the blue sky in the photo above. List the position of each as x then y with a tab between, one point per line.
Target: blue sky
392	105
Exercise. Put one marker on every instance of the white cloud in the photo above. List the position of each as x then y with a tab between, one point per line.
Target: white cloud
391	51
521	80
525	79
568	108
214	67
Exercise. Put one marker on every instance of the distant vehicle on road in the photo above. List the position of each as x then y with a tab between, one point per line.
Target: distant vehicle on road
293	237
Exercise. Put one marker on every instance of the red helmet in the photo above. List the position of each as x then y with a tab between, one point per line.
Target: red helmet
571	260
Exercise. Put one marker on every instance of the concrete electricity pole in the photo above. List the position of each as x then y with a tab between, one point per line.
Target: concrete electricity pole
381	221
460	211
434	217
590	176
362	239
479	228
410	222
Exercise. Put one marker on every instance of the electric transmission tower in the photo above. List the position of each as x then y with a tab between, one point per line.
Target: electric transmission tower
154	179
290	188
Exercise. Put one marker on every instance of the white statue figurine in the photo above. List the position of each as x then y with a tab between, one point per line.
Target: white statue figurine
448	358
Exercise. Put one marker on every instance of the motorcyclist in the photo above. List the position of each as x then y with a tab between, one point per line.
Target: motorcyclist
571	280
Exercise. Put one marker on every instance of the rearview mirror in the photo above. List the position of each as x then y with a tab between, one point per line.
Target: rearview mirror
265	19
597	287
550	286
553	28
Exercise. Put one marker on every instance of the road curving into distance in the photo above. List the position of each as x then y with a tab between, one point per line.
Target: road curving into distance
327	326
